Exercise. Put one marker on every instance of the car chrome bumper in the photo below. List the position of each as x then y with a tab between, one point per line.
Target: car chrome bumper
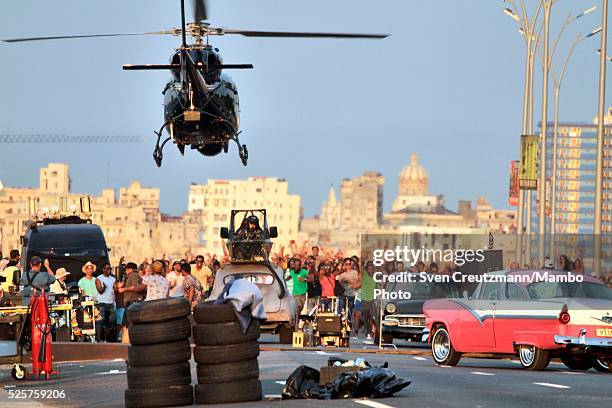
583	340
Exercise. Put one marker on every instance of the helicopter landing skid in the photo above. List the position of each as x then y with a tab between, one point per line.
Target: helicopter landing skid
243	152
158	152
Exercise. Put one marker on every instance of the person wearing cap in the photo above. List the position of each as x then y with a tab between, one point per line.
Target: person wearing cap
175	279
34	279
87	283
59	286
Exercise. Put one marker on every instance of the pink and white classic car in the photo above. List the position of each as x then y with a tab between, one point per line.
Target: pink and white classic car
536	314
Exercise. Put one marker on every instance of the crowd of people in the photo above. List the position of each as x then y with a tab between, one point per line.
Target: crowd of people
112	289
311	274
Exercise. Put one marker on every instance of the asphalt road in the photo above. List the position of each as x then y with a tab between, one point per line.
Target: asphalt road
474	383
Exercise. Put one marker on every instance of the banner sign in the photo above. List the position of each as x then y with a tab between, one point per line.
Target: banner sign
528	170
514	183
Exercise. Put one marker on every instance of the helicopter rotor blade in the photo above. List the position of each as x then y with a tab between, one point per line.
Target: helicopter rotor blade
64	37
200	11
151	67
291	34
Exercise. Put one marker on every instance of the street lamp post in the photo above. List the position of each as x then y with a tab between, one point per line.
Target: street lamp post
557	81
600	142
527	29
542	183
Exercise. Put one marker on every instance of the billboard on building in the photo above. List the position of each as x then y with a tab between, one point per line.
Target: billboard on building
529	162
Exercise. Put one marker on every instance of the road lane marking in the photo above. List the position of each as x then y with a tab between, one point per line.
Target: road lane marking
419	358
281	382
273	396
111	372
552	385
481	373
570	372
373	404
323	353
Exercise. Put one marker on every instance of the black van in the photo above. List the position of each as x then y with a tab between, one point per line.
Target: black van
67	245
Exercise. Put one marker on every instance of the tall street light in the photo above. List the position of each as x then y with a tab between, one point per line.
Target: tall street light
557	81
600	141
542	183
527	29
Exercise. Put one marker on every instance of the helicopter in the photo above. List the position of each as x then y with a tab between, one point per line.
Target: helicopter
201	104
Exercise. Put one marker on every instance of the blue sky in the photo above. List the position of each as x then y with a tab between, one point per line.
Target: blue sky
447	85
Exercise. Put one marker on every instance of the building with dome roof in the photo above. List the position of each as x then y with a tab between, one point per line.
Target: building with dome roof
413	179
413	189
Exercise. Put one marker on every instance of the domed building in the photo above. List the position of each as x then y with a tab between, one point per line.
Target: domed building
414	179
413	189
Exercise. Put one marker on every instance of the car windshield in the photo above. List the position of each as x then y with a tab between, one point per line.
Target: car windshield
552	290
423	290
256	278
73	241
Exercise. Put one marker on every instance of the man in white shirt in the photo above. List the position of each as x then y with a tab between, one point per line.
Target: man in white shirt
175	279
105	284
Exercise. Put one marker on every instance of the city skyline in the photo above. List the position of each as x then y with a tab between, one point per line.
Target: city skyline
387	206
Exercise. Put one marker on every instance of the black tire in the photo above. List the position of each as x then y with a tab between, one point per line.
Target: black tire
158	310
579	363
442	350
159	376
602	366
230	353
285	334
161	332
208	312
533	358
175	396
159	354
221	334
222	393
237	371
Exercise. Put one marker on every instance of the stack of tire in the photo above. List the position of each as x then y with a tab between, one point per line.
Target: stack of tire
159	372
226	358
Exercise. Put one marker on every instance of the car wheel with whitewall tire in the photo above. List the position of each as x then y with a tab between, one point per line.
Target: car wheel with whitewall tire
208	312
577	362
159	332
442	349
159	376
158	310
236	371
220	334
533	358
173	396
601	366
225	354
159	354
227	392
